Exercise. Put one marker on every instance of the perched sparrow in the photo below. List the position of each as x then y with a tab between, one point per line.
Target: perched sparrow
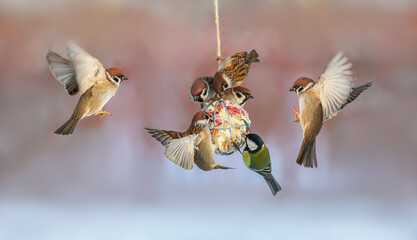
256	158
189	147
321	101
238	95
202	90
233	70
86	75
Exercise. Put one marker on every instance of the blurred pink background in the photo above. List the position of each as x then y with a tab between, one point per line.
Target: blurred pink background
110	179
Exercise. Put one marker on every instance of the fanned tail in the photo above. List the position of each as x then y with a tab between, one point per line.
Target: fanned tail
272	184
253	56
68	127
307	155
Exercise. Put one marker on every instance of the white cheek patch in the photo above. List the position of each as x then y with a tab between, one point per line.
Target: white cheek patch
251	145
204	93
310	85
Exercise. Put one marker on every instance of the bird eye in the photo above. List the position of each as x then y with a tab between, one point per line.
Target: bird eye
239	95
204	92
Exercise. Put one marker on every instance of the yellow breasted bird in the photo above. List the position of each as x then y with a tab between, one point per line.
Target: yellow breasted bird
256	158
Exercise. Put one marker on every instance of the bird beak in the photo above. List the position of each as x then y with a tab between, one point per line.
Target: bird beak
124	78
247	126
292	89
251	97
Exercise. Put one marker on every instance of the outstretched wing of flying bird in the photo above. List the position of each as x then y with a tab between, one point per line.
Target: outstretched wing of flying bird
88	69
335	86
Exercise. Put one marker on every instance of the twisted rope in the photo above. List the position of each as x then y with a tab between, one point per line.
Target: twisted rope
216	7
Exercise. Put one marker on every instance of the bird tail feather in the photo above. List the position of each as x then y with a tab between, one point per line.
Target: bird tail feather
307	155
68	127
272	184
253	56
217	166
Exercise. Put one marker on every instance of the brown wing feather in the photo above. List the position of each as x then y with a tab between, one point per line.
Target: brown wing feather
81	110
193	129
163	135
236	70
237	66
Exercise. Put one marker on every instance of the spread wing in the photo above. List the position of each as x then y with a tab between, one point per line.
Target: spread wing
180	148
63	71
88	69
181	151
335	86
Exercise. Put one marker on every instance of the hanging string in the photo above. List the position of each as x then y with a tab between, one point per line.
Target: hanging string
216	6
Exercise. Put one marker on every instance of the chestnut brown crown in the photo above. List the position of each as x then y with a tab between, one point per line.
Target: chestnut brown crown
301	83
116	74
201	115
242	90
197	87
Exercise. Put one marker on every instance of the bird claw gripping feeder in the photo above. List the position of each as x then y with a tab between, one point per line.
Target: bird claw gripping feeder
229	122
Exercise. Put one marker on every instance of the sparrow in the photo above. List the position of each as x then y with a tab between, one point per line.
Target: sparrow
86	75
239	95
233	71
191	146
321	101
202	90
256	158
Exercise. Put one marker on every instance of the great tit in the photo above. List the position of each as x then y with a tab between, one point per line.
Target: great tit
256	158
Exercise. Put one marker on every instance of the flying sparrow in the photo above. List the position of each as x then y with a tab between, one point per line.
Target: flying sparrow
321	101
233	71
86	75
256	158
189	147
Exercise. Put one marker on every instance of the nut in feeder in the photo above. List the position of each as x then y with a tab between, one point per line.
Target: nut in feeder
230	121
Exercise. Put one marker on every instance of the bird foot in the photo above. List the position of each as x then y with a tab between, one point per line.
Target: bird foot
103	113
297	115
220	59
